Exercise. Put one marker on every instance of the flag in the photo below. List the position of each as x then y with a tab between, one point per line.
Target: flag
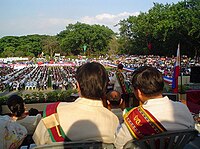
168	80
176	71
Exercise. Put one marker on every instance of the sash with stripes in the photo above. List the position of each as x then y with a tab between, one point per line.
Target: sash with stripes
141	122
120	79
51	121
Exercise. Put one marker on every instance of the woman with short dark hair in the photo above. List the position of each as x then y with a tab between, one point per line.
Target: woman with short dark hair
18	113
16	105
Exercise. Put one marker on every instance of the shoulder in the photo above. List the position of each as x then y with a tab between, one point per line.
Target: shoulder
5	118
128	110
11	125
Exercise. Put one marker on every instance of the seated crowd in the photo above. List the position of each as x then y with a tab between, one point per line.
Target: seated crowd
36	77
99	115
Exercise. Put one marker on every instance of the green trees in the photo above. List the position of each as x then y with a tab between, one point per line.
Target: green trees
94	38
50	45
160	29
29	45
76	36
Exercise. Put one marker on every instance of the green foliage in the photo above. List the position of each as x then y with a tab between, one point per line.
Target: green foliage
50	45
30	98
35	97
65	95
53	96
164	26
29	45
95	37
113	46
3	100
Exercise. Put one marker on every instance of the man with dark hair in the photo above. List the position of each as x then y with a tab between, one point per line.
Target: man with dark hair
156	113
115	104
84	119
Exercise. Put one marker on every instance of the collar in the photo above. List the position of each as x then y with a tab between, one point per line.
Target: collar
156	100
90	102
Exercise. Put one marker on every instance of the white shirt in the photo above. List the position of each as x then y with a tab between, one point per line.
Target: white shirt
117	86
12	134
30	122
84	119
172	115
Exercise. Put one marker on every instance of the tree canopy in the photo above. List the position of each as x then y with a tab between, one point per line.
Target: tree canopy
94	37
159	30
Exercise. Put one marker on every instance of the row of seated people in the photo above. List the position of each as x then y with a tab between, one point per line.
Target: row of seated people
16	79
37	78
27	77
3	72
92	116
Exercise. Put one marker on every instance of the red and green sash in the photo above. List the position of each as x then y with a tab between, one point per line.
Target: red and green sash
52	124
120	79
141	122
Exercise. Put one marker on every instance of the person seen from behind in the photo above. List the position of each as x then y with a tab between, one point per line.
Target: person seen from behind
156	113
115	104
84	119
19	114
120	84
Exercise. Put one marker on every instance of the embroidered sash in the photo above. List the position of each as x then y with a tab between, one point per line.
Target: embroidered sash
141	122
120	79
50	119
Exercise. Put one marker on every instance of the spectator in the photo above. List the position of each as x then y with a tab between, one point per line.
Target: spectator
115	104
119	84
12	134
16	105
156	114
72	121
33	112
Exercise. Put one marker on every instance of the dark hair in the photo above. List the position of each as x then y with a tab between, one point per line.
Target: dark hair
16	105
120	66
114	97
149	80
92	78
33	112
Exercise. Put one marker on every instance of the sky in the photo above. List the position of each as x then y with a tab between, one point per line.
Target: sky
50	17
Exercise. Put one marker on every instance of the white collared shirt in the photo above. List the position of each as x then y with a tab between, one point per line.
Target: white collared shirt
172	115
83	119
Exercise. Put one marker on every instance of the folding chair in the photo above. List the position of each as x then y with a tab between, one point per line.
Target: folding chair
76	145
166	140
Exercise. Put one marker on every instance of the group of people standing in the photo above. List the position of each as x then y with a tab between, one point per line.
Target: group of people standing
90	118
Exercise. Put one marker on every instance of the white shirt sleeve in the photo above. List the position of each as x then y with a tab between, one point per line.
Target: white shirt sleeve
113	79
122	137
41	135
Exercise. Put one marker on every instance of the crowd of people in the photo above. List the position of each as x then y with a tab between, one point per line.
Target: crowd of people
37	77
102	115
